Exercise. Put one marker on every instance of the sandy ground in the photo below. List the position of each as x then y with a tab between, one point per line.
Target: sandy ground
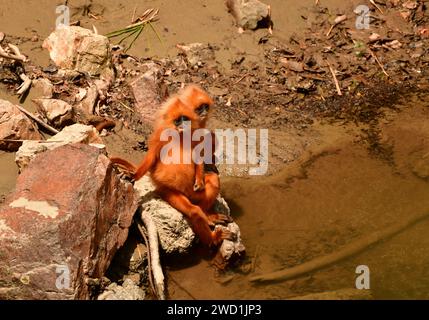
325	189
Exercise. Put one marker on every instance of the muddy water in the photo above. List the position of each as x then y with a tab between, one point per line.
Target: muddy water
336	196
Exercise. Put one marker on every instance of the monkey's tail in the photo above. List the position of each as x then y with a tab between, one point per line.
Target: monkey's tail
124	164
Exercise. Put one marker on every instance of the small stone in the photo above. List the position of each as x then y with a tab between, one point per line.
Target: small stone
44	86
197	53
58	113
410	5
248	14
127	291
374	37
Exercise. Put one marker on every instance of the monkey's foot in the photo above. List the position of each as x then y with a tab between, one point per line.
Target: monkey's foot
219	235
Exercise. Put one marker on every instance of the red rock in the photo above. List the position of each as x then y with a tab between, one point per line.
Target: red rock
69	211
149	92
14	125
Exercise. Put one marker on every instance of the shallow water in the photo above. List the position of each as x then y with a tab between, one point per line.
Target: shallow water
337	195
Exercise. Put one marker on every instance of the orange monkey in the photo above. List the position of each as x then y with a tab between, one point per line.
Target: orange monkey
201	104
175	182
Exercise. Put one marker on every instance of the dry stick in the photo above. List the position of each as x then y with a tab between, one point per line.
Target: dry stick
378	61
338	20
347	251
375	5
337	85
40	122
151	281
154	253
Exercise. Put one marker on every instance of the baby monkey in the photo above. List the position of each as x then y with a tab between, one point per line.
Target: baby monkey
175	182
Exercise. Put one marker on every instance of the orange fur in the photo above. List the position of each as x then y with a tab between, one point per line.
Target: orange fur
175	182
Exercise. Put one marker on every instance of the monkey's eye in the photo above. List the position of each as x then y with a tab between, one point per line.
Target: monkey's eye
202	109
180	120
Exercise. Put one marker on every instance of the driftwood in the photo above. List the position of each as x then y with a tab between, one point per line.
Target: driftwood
153	256
347	251
342	294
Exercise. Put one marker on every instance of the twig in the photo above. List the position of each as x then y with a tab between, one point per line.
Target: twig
154	253
241	79
40	122
125	106
375	5
134	14
347	251
378	61
150	276
337	85
337	21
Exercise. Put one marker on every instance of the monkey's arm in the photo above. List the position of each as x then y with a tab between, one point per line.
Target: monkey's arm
199	177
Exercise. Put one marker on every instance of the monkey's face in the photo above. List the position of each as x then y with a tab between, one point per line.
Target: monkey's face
198	101
178	116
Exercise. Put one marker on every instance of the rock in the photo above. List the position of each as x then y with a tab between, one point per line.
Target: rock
175	233
149	91
249	14
130	261
410	5
58	113
197	54
127	291
230	250
77	133
374	37
78	49
14	125
63	224
395	44
87	105
44	86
